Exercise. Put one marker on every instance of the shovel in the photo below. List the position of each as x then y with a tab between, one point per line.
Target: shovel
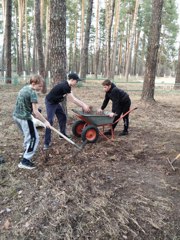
67	139
63	136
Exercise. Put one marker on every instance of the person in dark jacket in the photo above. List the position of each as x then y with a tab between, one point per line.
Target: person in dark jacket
120	104
53	107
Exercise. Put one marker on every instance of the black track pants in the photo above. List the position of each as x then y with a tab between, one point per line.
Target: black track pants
125	107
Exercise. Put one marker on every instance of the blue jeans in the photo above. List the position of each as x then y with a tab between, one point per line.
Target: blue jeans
52	110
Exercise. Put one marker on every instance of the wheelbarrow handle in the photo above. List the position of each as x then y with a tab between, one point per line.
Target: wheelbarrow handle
124	115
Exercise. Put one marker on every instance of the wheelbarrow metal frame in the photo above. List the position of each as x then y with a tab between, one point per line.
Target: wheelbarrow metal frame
97	120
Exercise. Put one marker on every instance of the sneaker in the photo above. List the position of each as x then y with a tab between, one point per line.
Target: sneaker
2	160
26	164
123	133
108	133
46	146
60	137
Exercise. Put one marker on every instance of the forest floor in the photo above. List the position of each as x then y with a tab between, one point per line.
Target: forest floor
121	189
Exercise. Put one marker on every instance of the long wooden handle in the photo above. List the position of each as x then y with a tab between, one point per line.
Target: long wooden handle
66	138
62	135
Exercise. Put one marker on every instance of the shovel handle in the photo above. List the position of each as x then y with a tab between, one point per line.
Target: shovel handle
62	135
66	138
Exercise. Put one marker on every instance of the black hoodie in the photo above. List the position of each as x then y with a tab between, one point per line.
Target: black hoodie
118	98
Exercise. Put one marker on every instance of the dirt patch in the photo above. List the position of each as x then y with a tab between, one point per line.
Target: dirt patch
121	189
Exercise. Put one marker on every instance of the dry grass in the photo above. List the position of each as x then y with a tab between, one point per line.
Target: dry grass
123	189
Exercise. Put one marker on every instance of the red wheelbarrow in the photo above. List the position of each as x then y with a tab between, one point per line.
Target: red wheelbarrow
87	126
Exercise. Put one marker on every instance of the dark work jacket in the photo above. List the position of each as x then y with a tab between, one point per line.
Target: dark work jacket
58	92
118	98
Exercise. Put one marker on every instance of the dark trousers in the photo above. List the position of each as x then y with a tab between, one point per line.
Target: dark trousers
125	107
52	110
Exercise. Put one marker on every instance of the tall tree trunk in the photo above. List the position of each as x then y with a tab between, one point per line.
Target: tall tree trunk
41	14
16	39
58	40
109	20
74	64
97	39
136	46
142	57
8	40
153	46
84	55
120	57
21	8
115	38
47	64
38	32
177	79
82	25
130	39
39	43
127	29
82	29
34	59
27	42
4	6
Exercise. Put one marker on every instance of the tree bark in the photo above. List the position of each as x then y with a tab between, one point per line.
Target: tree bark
39	38
74	63
109	19
21	8
97	39
82	25
136	47
27	42
115	38
47	64
177	79
4	5
58	40
130	40
153	46
39	43
8	40
34	65
120	57
84	54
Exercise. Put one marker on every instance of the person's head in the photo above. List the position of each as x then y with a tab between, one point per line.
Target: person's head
107	85
73	79
36	82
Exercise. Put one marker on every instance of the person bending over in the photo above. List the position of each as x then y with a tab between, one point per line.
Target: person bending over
53	106
120	104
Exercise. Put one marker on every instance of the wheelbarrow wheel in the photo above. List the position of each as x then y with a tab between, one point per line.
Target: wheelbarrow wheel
77	128
90	134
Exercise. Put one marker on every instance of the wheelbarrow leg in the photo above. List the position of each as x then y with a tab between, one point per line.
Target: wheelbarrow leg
112	133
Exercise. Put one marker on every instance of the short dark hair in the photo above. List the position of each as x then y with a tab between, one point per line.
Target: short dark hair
73	76
107	82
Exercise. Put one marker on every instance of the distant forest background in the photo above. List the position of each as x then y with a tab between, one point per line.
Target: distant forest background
105	38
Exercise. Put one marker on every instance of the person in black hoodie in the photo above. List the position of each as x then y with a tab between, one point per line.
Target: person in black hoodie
121	103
